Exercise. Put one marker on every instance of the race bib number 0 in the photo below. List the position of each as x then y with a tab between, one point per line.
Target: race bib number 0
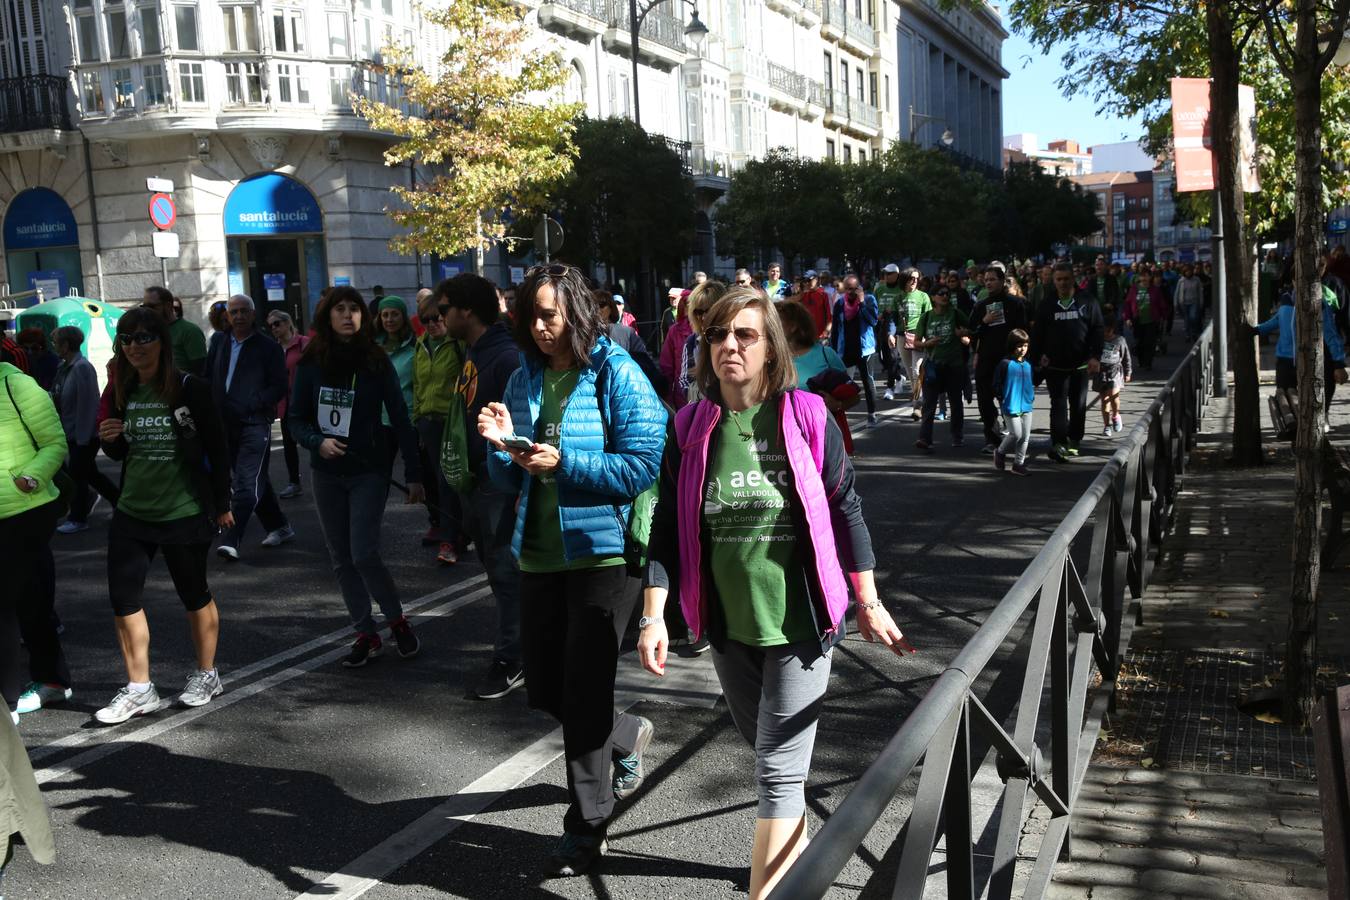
335	411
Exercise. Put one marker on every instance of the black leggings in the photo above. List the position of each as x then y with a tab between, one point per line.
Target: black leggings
291	451
129	561
82	464
27	600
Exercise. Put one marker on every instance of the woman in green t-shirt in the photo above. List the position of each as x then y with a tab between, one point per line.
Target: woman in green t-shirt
167	432
757	525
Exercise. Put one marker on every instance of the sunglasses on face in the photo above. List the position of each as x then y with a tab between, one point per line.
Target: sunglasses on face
431	318
140	338
745	337
275	323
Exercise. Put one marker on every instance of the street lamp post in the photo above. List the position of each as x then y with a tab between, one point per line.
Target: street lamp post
918	120
696	31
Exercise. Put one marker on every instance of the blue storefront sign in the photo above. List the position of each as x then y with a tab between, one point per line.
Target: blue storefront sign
1338	226
342	281
37	219
450	269
269	204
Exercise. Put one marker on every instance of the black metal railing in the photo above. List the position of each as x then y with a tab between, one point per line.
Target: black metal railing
33	102
1081	620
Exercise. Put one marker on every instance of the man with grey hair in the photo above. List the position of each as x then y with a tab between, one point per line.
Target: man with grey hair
247	371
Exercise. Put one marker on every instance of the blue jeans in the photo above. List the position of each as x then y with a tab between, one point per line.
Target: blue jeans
490	519
350	509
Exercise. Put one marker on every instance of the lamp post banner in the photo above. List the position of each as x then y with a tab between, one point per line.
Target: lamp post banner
1190	134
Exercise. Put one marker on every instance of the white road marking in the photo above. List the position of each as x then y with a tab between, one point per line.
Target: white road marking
690	682
115	740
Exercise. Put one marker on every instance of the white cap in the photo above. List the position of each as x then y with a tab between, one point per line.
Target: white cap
891	267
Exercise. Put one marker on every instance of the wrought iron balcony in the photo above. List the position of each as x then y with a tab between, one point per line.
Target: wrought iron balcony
659	26
33	103
835	15
794	84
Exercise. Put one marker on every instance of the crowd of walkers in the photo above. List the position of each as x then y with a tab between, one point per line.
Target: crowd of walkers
706	485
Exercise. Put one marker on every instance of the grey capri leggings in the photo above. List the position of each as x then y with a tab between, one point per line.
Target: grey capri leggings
775	694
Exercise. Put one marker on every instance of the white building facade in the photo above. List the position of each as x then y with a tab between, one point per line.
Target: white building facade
245	105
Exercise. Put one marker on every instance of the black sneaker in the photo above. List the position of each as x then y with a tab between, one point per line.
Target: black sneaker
575	854
628	773
1000	460
408	644
367	647
501	679
700	646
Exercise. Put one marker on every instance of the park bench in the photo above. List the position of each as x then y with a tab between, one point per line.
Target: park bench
1283	413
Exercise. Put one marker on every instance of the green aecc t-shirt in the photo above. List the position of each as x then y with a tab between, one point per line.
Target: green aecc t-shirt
541	547
157	486
759	575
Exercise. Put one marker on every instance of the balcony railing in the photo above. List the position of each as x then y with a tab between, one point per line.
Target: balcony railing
856	112
792	83
836	13
33	103
596	9
659	26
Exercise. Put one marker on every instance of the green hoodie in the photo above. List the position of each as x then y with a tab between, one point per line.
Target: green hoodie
435	372
17	456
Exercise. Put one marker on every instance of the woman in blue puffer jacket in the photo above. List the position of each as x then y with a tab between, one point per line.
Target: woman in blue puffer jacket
579	436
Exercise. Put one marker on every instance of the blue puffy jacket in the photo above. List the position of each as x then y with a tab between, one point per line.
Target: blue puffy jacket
868	315
1283	322
612	437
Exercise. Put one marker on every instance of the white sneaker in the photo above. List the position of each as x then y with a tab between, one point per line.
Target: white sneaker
200	688
14	717
227	552
889	395
281	536
72	527
128	703
38	695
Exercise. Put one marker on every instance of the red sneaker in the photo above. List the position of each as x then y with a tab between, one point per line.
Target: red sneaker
447	555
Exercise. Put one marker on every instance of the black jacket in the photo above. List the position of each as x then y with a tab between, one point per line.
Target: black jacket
259	380
991	341
489	363
201	438
1111	296
1069	337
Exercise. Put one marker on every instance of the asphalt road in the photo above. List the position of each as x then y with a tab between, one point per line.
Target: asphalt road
391	782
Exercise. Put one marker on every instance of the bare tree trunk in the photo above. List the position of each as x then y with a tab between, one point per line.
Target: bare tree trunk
1300	666
1240	304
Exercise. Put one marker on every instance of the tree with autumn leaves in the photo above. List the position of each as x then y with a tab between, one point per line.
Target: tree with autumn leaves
486	129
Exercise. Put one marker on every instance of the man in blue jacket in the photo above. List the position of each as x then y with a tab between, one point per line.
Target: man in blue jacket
468	306
1333	348
248	377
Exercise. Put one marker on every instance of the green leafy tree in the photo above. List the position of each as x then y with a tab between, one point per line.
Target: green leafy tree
485	126
627	198
1038	210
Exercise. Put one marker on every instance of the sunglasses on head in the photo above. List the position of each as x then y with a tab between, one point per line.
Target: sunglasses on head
556	270
141	338
745	337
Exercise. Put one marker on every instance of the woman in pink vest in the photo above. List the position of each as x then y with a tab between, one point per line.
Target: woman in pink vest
758	524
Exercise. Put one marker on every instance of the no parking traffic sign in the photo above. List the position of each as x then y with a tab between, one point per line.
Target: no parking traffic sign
162	211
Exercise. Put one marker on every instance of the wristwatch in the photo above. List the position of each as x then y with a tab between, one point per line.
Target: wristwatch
648	620
32	482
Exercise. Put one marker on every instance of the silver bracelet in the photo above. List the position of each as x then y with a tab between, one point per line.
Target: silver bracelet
872	605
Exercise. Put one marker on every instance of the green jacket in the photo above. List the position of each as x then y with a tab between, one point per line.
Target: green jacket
21	808
435	374
17	456
402	358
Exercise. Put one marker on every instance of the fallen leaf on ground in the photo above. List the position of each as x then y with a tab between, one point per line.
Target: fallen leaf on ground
1219	614
1146	762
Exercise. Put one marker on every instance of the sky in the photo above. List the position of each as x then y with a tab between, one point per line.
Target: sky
1032	102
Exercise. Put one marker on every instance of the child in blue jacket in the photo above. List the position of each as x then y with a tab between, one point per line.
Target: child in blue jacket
1017	394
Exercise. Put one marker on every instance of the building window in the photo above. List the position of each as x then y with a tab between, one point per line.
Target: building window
191	83
859	83
86	31
288	31
1143	224
829	72
887	83
339	86
337	37
829	150
848	154
119	47
364	43
185	24
243	83
862	155
843	78
241	28
872	85
124	89
154	84
91	92
148	18
292	86
1144	202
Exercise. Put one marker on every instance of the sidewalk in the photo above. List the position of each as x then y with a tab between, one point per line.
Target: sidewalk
1187	796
